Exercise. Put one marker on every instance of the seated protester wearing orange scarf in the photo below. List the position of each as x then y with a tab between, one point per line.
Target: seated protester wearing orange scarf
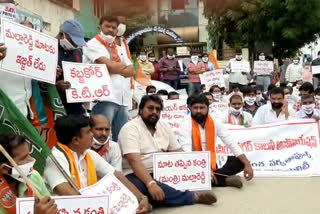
12	185
200	134
84	166
234	114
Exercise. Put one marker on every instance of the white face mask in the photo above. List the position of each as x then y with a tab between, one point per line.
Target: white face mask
171	57
152	59
97	145
65	44
308	109
143	58
205	59
295	61
259	97
194	59
217	97
107	38
25	168
250	100
235	112
317	97
239	57
262	58
121	29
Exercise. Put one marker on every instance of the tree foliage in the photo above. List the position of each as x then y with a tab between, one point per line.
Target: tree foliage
286	25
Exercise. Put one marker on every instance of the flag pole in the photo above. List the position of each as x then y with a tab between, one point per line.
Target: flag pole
24	177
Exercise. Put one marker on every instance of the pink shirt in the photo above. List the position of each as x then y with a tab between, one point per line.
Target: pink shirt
194	78
307	74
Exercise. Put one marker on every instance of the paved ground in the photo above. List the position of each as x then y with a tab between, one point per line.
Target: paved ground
261	196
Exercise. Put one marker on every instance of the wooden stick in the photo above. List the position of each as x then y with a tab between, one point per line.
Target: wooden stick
24	177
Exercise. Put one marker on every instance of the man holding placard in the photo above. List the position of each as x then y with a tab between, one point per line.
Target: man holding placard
315	66
263	70
200	132
142	137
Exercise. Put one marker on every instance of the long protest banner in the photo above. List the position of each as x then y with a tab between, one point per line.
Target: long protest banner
265	67
30	53
240	66
183	170
211	78
122	201
281	149
69	204
89	82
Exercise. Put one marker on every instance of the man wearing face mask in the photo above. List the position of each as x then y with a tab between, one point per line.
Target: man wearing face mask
195	67
146	66
216	92
235	114
13	186
308	109
316	77
237	78
275	111
103	49
260	100
305	89
263	77
106	148
208	65
294	71
250	101
71	40
170	69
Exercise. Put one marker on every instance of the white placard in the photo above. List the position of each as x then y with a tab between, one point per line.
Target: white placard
68	204
316	69
183	170
29	53
89	82
211	78
240	66
122	201
265	67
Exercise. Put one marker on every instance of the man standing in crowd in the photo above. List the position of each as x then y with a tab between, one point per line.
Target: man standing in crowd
139	139
102	49
157	75
305	89
250	101
237	79
308	109
169	67
294	71
195	67
84	166
146	66
102	144
208	65
275	111
199	133
316	77
71	40
263	77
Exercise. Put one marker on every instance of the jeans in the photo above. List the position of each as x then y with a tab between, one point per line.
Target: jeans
117	115
172	83
173	197
194	88
264	80
232	167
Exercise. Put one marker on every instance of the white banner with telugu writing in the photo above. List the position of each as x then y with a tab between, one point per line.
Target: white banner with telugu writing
183	170
276	150
211	78
240	66
264	67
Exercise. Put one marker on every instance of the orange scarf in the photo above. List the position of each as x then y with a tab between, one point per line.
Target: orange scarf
210	139
92	175
240	120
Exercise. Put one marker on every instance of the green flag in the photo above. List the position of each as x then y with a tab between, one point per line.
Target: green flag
13	121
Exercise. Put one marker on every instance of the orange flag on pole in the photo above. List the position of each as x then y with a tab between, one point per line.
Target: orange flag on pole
213	59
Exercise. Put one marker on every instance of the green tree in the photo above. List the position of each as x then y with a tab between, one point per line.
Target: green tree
286	25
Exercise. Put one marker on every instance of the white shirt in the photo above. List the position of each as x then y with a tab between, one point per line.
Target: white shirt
294	72
237	77
18	89
185	137
265	115
54	177
114	156
235	120
121	87
302	115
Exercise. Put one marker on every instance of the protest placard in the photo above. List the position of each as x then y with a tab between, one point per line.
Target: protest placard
30	53
211	78
183	170
220	106
69	204
8	11
316	69
174	113
284	149
240	66
264	67
122	201
89	82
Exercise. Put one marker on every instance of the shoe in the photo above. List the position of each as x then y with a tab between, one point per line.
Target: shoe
234	181
205	197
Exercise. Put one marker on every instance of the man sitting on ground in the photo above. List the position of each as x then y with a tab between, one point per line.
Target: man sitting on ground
305	89
151	90
84	166
102	144
250	101
139	139
199	133
308	109
173	95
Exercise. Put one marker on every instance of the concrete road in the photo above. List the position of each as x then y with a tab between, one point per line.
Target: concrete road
261	196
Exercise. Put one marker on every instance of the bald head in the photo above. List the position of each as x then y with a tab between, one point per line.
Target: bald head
100	127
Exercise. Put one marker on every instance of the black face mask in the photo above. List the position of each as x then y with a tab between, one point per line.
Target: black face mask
276	106
199	118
